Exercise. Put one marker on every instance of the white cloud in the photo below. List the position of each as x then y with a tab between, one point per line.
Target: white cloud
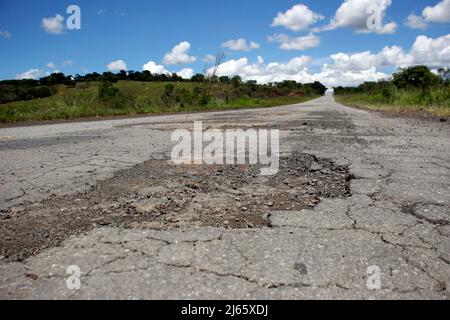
186	73
179	55
297	43
416	22
431	52
30	74
53	25
240	45
155	68
209	58
332	77
51	65
355	14
299	17
5	34
439	13
344	69
264	73
296	70
231	67
355	62
427	51
117	65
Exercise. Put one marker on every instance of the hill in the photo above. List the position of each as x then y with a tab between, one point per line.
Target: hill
78	99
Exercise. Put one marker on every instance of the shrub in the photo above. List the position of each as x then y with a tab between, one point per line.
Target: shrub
107	90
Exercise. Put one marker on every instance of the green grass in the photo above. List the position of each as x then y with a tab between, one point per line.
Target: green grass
436	101
136	98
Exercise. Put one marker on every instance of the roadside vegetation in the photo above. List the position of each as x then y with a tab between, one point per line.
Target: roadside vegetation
413	89
131	93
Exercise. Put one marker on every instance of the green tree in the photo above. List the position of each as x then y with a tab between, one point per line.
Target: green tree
236	81
198	78
415	77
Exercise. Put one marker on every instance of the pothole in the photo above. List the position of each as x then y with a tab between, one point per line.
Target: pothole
159	195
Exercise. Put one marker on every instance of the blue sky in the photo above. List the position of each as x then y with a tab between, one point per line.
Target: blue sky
138	32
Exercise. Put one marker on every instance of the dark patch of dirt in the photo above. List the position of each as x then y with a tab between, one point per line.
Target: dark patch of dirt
160	195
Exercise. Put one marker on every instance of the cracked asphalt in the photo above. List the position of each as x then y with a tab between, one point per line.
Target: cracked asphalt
395	215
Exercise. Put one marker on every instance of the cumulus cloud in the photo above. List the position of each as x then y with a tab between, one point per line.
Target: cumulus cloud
439	13
298	18
332	77
5	34
231	67
240	45
262	72
51	65
179	55
117	65
53	25
355	14
432	52
427	51
353	69
416	22
296	43
344	69
153	67
31	74
186	73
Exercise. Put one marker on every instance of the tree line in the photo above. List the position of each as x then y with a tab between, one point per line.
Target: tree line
409	79
16	90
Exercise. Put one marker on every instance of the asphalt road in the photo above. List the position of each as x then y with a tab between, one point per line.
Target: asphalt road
388	238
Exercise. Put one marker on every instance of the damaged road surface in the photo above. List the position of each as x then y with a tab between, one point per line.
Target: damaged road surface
360	208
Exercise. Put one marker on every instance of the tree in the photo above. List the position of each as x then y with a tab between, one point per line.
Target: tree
198	78
122	75
211	77
55	79
109	76
236	81
224	79
316	88
415	77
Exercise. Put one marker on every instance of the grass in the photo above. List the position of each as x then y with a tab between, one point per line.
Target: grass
136	98
436	101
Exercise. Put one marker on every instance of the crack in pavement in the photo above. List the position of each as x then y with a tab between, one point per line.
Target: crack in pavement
371	224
